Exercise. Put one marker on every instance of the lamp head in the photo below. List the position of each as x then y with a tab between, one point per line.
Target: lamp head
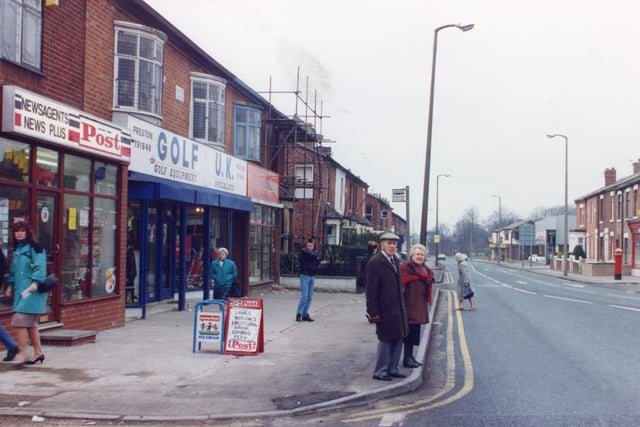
465	27
550	136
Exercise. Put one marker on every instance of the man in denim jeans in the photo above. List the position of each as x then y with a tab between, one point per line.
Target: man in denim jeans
309	267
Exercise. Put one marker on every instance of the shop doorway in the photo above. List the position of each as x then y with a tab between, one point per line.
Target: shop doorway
48	238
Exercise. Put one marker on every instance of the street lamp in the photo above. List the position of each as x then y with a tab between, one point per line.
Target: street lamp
566	201
499	222
436	238
425	196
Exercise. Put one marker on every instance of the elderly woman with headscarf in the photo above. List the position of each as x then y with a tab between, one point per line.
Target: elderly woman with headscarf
465	291
417	279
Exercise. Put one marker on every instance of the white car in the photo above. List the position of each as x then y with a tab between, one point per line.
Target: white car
536	258
442	257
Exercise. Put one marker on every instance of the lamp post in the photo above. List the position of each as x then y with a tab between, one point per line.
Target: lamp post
566	201
425	196
436	238
499	222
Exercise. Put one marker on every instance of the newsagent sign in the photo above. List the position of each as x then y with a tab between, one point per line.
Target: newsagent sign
28	114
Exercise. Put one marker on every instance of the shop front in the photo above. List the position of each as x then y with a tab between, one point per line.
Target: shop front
61	171
186	200
634	227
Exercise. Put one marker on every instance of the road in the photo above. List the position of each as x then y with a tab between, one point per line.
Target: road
538	351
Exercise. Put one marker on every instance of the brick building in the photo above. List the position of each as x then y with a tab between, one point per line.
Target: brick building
609	217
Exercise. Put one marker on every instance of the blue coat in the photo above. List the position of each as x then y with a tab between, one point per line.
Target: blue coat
223	275
27	267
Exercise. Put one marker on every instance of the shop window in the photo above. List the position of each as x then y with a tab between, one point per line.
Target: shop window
21	32
138	68
76	236
106	179
76	173
207	109
103	242
261	243
15	160
246	137
46	171
13	207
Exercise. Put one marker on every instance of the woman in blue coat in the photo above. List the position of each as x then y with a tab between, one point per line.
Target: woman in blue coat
223	273
27	270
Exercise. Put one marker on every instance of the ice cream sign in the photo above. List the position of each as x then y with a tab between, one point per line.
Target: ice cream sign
26	113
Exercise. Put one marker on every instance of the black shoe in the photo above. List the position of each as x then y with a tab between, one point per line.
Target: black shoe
36	360
11	353
298	318
397	375
410	364
382	377
415	361
307	319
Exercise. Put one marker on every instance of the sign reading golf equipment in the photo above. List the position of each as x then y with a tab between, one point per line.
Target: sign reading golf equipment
244	327
399	195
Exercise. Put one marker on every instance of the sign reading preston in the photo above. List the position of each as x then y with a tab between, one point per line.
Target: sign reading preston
26	113
160	153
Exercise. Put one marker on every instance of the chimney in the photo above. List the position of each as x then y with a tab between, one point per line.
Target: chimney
636	167
609	176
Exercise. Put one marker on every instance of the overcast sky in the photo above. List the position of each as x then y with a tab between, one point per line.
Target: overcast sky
527	69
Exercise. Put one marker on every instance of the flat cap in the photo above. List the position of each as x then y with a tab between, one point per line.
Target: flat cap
389	236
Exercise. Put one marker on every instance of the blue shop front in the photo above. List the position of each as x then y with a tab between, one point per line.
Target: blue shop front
186	200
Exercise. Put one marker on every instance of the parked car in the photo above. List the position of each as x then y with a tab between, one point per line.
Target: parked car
536	258
442	257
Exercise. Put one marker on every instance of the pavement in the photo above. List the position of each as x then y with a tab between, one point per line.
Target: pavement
148	371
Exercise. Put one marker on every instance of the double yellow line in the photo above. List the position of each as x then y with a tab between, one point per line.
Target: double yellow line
434	401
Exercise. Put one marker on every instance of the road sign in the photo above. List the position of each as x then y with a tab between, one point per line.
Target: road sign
399	195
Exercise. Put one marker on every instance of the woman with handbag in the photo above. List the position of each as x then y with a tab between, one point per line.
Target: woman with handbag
465	291
27	270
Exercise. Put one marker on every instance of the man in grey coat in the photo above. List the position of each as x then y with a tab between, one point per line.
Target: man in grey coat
386	308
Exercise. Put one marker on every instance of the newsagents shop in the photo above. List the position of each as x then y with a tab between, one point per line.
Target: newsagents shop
62	171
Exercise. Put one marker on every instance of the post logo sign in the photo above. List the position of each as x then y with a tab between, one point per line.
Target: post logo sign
26	113
163	154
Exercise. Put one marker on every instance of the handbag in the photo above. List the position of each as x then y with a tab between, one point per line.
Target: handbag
468	293
48	284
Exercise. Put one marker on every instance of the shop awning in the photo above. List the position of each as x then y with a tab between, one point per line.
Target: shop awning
142	187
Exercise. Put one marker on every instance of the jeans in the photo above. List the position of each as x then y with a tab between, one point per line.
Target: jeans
6	339
306	294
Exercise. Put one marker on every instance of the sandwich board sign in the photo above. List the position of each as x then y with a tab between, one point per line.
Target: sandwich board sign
244	327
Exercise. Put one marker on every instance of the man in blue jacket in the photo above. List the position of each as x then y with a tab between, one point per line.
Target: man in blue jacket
309	267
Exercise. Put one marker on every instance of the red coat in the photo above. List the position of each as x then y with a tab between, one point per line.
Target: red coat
417	281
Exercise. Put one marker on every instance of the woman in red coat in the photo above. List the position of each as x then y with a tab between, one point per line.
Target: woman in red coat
417	279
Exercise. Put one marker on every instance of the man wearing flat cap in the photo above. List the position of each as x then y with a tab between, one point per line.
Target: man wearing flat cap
386	308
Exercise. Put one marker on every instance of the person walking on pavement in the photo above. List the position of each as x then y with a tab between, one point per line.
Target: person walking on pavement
417	280
27	270
386	308
309	267
372	248
223	273
465	291
5	338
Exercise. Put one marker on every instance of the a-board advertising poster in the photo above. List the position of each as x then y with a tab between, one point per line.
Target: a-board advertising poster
210	329
244	333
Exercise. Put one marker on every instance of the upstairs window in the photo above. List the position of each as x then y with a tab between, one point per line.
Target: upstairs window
138	68
207	109
21	32
246	138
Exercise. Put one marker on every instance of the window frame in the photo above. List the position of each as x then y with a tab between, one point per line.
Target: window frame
213	85
249	131
26	36
149	66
